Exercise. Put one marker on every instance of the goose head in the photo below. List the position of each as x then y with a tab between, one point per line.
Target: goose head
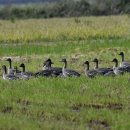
48	62
121	53
65	63
95	61
87	64
115	61
64	60
9	60
22	65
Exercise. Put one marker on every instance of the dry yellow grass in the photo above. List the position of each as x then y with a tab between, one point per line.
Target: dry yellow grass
64	29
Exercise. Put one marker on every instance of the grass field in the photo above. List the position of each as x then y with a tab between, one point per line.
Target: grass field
64	29
81	103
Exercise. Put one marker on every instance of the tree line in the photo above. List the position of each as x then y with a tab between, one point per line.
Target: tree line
66	8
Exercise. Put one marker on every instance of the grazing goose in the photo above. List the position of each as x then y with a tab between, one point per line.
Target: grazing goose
7	76
123	62
89	73
67	72
101	71
10	69
56	71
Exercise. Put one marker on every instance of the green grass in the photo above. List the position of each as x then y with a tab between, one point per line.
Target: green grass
56	29
65	103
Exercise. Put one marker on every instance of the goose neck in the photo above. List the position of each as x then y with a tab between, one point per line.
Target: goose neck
23	69
122	57
65	65
96	65
10	64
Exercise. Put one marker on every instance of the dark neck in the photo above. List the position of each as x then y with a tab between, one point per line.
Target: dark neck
65	64
10	64
87	66
116	64
122	57
96	64
49	66
23	68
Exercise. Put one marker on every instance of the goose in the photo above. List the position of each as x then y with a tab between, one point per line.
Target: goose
10	69
17	73
101	71
43	73
7	76
29	74
117	70
56	71
46	71
123	62
67	72
89	73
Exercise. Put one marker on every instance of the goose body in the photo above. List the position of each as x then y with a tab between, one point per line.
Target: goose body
101	71
123	62
89	73
68	72
117	70
43	73
56	71
24	74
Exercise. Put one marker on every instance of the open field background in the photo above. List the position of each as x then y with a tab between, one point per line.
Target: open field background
64	29
65	103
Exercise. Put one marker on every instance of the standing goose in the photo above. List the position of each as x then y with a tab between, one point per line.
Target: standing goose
123	62
7	76
101	71
117	70
89	73
67	72
17	73
10	69
29	74
56	71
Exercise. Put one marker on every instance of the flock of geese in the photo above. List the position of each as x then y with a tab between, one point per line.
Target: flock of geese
12	73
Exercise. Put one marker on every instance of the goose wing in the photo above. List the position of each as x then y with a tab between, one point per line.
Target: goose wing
125	64
11	77
29	74
72	73
92	73
104	70
45	73
56	71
